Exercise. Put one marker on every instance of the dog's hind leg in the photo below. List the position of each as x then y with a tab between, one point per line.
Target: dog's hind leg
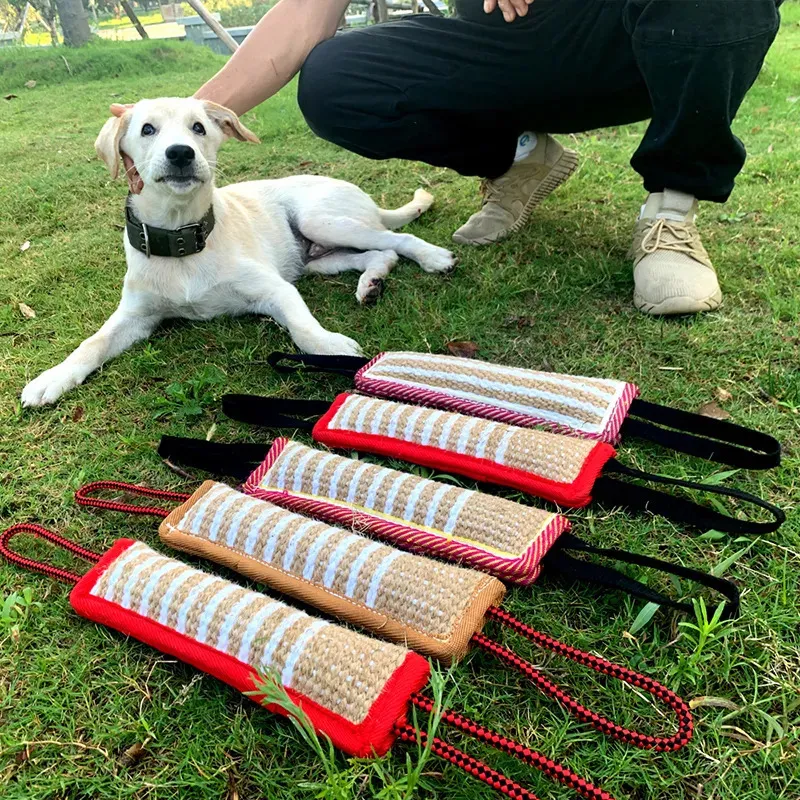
330	231
374	265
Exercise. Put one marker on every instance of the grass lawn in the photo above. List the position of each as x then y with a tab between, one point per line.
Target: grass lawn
74	697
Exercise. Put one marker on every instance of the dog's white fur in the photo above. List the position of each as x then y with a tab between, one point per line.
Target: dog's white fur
253	256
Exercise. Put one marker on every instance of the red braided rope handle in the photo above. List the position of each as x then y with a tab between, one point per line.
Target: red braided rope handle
545	765
600	723
39	566
83	497
470	765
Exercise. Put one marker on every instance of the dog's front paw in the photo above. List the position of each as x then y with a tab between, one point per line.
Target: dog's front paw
437	259
49	386
335	344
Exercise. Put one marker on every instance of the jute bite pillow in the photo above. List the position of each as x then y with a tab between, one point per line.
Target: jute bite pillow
593	408
353	689
506	539
339	572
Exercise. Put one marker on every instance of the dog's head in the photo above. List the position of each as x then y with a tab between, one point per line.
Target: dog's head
170	143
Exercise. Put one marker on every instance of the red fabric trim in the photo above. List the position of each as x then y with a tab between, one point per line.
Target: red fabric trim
575	495
523	570
375	734
438	398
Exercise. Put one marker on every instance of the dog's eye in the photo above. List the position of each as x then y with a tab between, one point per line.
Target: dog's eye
148	129
199	129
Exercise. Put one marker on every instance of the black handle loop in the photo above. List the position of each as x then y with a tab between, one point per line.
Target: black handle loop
32	565
679	509
559	561
704	437
218	458
337	365
273	412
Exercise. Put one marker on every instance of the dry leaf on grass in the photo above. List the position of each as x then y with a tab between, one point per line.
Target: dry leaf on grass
716	702
462	349
723	395
24	246
132	755
78	414
30	84
26	311
713	410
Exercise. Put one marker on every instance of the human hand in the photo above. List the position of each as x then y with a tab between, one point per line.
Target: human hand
511	8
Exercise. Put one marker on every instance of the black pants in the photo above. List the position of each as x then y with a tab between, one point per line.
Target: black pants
457	92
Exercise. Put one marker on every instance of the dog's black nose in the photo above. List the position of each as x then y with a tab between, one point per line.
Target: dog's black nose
180	155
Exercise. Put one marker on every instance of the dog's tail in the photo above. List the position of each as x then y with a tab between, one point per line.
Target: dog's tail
402	216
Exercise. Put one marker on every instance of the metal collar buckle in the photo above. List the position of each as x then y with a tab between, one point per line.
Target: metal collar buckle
144	235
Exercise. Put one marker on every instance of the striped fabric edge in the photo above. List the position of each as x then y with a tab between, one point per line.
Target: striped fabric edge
374	735
610	428
575	494
522	570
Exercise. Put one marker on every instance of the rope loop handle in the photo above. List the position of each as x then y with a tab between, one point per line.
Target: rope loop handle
547	766
33	565
83	497
660	744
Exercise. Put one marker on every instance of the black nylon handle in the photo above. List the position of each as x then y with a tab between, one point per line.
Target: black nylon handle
218	458
679	509
273	412
337	365
704	437
611	578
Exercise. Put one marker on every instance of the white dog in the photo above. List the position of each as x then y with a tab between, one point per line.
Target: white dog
196	251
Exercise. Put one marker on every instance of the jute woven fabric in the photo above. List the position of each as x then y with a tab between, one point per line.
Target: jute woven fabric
353	688
434	608
489	533
553	466
590	407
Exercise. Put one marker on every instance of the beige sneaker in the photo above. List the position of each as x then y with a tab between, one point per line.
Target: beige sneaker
672	273
509	199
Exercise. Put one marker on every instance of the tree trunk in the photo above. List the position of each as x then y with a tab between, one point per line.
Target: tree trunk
74	22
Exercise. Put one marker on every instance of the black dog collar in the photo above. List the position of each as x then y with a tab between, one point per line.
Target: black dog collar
185	241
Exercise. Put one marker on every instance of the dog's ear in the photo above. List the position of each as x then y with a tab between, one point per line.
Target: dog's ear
229	122
107	142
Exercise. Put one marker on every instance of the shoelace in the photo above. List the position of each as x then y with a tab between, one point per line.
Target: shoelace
668	234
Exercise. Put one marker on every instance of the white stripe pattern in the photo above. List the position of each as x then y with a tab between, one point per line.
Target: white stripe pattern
377	577
433	506
211	609
361	559
253	627
144	606
191	599
166	600
298	648
274	535
277	635
233	616
116	573
323	462
221	512
313	552
375	485
133	576
254	533
455	511
291	549
335	559
427	428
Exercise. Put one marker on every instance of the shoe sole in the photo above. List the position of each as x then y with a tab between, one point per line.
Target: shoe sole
559	172
676	306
